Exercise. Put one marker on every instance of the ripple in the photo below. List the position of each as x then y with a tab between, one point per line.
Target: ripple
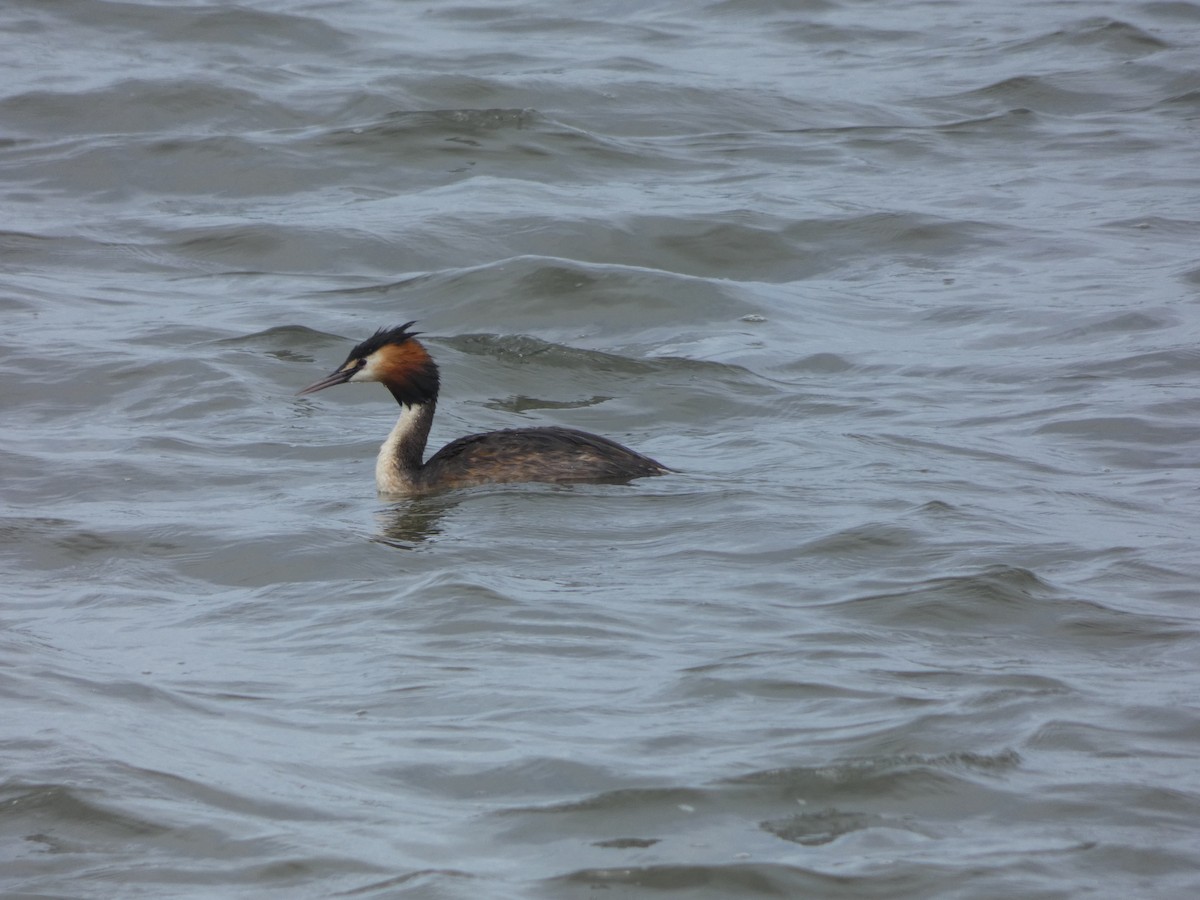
1011	601
732	880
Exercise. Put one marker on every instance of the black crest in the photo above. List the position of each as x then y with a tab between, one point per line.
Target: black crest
384	336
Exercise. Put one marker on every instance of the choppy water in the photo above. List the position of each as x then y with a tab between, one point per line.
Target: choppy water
909	293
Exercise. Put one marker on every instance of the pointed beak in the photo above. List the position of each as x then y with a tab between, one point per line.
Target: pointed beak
341	376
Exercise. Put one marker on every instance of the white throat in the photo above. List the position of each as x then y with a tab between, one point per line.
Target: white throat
391	477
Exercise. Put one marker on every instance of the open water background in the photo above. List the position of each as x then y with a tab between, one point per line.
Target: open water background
910	293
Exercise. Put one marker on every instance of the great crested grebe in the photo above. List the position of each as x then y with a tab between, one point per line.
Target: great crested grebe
394	357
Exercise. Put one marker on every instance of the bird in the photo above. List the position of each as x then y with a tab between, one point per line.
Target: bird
396	359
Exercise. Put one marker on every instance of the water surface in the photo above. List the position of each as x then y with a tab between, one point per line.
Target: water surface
909	297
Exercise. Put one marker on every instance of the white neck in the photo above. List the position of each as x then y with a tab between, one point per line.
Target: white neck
399	462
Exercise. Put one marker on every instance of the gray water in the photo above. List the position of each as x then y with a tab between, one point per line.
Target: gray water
908	293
